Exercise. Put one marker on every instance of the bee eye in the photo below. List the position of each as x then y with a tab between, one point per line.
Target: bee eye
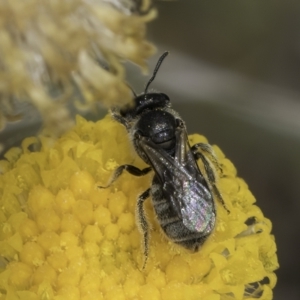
165	97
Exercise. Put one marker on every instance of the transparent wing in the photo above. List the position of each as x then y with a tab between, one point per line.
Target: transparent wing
183	184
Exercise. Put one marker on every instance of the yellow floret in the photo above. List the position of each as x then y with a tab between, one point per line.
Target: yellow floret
49	240
68	293
112	232
58	261
102	216
40	198
117	203
47	220
92	233
28	229
65	200
81	184
70	223
44	273
67	277
178	270
62	237
32	254
83	209
20	275
126	222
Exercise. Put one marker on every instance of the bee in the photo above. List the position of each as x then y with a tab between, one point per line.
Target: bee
182	196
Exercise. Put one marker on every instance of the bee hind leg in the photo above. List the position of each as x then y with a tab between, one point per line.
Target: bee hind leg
207	148
208	169
143	223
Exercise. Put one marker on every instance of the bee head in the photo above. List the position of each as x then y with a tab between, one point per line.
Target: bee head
147	101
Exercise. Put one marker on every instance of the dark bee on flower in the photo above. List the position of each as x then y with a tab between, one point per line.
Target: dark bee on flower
182	197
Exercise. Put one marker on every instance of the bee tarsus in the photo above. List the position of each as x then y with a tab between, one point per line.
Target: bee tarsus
143	224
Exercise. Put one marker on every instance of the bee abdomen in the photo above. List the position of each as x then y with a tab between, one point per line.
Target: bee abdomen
182	236
172	224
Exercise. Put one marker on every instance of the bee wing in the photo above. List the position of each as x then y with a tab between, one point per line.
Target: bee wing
183	183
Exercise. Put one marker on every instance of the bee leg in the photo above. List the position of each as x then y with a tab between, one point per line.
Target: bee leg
116	115
207	148
211	176
143	224
130	169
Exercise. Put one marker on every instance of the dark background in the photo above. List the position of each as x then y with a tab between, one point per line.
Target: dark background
233	75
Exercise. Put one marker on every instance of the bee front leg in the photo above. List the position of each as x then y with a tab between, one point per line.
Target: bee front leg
130	169
116	115
143	223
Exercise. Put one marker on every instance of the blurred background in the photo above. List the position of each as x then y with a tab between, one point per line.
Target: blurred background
233	75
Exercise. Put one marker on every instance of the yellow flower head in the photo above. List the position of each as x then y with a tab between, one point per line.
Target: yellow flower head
64	238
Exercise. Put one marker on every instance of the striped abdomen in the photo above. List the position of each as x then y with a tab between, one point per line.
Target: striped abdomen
171	223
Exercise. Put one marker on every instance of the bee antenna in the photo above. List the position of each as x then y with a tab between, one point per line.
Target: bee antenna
161	59
133	92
